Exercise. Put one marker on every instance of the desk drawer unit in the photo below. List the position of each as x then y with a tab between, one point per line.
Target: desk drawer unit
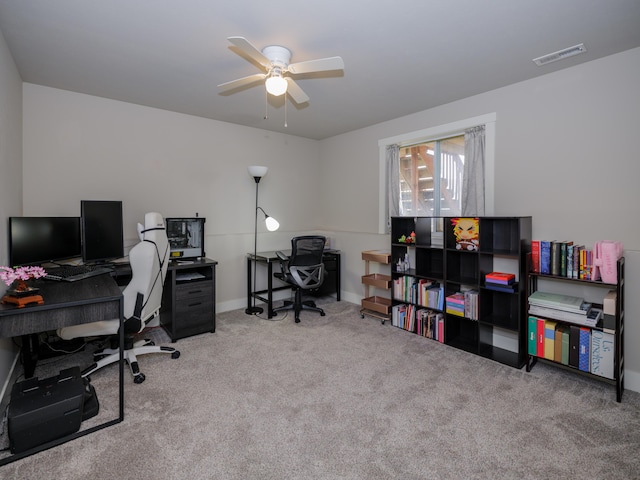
188	307
194	305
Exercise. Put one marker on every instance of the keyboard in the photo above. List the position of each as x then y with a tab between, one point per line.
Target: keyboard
73	273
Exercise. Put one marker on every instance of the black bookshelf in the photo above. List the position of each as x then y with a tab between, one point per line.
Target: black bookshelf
500	330
612	326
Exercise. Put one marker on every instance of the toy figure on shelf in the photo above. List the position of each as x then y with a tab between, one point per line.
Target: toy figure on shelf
466	231
408	238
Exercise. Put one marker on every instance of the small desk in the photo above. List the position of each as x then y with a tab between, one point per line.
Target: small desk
331	259
66	304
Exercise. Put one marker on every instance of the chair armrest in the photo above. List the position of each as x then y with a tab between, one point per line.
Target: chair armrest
284	262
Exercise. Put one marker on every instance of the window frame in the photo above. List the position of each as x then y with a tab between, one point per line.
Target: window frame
432	134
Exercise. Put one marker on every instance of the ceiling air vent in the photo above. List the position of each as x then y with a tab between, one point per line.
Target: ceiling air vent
560	55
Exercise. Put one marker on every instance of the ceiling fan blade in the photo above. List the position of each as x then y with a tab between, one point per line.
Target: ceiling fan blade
241	82
295	92
320	65
244	45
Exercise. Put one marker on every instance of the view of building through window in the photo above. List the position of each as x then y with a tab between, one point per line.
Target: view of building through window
431	178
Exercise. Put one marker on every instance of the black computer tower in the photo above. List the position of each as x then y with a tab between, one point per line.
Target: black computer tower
186	237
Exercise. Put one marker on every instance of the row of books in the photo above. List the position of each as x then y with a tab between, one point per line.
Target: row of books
425	322
425	293
562	258
566	308
463	304
589	350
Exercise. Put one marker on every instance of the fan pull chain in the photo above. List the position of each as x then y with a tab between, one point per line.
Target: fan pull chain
266	104
285	109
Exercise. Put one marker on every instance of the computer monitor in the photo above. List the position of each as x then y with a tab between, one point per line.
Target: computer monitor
38	240
102	230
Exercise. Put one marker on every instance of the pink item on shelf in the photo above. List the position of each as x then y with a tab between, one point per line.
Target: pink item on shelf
605	259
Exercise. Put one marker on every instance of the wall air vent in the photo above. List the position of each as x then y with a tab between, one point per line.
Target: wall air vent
560	55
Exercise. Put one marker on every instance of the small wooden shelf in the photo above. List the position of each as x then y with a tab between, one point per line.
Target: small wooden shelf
377	304
379	256
377	280
374	305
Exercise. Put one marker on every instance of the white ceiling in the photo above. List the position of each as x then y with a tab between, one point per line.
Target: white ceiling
401	56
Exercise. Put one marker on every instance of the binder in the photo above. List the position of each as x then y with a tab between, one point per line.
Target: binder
540	338
584	359
549	339
557	345
533	330
574	345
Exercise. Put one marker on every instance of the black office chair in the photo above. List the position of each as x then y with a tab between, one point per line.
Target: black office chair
303	270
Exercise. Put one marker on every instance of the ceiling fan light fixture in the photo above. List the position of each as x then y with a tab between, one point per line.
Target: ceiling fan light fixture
276	85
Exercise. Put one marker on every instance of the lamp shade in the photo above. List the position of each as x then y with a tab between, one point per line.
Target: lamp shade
257	171
276	85
272	224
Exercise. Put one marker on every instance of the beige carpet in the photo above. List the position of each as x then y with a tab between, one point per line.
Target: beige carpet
341	397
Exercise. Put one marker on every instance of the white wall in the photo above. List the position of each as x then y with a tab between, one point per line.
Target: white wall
10	176
82	147
564	154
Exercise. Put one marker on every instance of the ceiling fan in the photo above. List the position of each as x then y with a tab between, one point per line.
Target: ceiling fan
274	59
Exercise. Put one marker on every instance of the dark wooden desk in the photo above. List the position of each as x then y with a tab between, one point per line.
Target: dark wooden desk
331	259
65	304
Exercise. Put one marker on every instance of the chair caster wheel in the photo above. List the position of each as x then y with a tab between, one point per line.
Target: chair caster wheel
139	378
297	320
175	354
322	314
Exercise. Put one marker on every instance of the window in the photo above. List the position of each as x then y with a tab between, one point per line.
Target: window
430	178
440	139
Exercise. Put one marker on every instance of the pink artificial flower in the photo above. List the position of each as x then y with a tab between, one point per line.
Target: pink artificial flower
9	275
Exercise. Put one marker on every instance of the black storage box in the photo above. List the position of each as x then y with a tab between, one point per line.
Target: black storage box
43	410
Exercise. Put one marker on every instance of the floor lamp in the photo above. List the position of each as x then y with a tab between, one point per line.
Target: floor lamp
257	172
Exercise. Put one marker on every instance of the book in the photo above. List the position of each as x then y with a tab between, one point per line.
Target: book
501	288
531	335
535	256
549	339
564	247
577	249
555	258
560	302
584	356
500	277
569	261
602	350
545	257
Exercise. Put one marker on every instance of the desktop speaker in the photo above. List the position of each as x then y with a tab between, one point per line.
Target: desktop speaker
44	410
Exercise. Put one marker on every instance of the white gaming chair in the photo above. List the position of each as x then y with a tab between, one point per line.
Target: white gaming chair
142	299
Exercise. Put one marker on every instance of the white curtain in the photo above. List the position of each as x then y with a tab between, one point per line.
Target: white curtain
473	177
393	183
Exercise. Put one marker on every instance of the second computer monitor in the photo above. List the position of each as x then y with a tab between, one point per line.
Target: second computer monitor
102	230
